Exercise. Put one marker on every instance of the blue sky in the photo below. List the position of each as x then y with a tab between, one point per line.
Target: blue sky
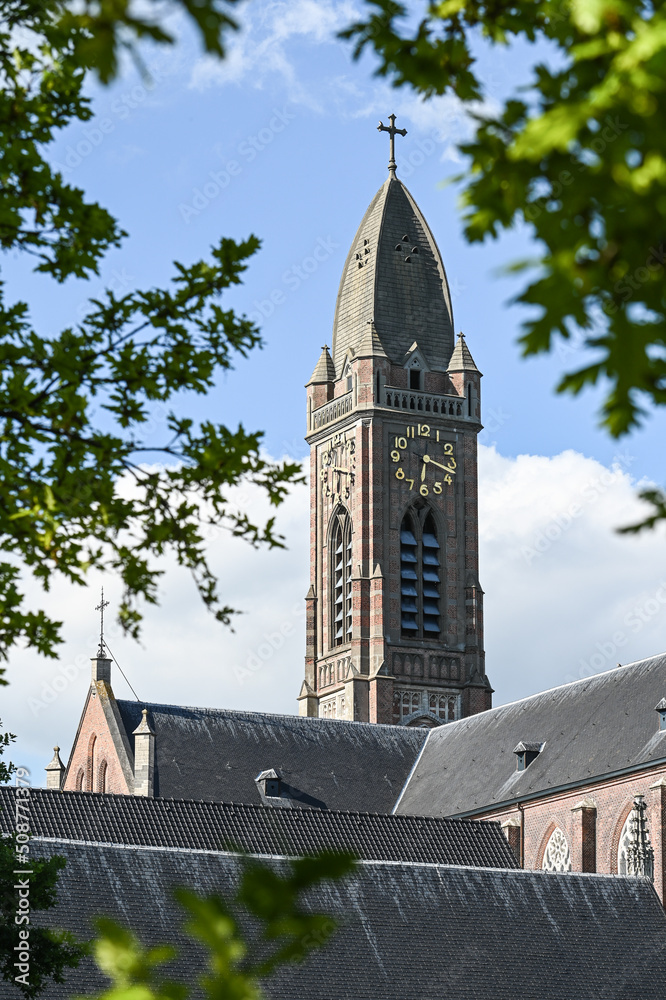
281	141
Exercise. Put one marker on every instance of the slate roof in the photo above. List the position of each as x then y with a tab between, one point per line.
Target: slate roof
215	754
257	829
408	300
426	931
599	726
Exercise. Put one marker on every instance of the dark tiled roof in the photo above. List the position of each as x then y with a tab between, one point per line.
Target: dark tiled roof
426	931
408	300
215	754
590	728
128	819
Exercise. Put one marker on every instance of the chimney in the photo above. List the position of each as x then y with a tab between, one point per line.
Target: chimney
144	757
55	771
101	668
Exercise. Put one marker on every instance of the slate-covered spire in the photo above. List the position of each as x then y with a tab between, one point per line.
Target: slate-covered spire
324	369
394	274
461	359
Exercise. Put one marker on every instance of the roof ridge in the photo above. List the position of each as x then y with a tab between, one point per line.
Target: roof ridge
542	694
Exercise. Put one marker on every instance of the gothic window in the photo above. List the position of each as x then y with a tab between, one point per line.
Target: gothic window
101	777
90	763
341	583
80	778
557	857
445	706
420	577
623	846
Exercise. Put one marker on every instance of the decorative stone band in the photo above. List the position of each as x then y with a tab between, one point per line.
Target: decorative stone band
425	402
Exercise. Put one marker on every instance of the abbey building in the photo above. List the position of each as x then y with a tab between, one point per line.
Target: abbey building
395	607
396	753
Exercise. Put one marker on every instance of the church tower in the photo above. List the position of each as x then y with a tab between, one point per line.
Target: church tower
395	608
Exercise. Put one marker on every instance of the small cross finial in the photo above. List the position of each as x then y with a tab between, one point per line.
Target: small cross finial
392	131
324	347
100	607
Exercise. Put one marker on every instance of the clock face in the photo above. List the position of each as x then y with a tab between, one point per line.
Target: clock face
338	467
422	461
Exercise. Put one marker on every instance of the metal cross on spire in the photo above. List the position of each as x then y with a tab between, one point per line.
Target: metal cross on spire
392	131
100	607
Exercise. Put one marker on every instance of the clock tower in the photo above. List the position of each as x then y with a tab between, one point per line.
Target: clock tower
395	608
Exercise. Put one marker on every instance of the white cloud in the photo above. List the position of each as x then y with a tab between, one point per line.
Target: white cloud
262	47
565	596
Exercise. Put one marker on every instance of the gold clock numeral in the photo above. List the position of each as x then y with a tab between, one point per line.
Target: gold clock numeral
411	483
437	488
424	490
395	456
424	431
399	473
447	479
410	432
401	443
448	449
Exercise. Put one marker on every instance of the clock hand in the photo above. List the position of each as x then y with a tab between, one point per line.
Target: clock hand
447	468
336	468
426	459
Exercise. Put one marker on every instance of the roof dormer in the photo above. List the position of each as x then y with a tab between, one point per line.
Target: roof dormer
416	365
526	753
661	708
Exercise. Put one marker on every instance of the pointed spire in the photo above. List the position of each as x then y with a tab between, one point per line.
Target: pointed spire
370	346
640	854
324	369
144	725
461	359
55	770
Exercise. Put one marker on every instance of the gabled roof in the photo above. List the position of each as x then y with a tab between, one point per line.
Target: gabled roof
257	829
405	930
215	754
599	726
394	274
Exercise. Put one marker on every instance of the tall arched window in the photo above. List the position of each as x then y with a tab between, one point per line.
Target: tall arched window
80	778
90	763
340	579
420	576
101	776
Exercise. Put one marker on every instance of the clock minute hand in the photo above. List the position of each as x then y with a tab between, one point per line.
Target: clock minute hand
336	468
447	468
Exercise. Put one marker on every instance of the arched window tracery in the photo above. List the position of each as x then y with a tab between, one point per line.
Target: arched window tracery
420	576
557	856
340	579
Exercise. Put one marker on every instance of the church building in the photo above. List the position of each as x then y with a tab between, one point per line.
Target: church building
395	716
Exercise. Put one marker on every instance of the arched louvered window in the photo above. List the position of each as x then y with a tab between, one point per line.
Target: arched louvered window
340	576
420	577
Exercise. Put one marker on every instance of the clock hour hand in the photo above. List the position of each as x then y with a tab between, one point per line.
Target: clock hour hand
336	468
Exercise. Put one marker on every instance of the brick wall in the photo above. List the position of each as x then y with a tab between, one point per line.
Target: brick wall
93	748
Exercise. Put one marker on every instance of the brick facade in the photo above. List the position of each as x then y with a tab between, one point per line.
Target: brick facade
591	817
101	760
